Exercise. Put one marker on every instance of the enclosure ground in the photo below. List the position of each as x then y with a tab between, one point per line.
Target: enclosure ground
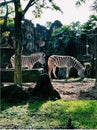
73	89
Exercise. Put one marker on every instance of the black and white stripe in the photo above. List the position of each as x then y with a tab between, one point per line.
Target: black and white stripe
30	60
67	62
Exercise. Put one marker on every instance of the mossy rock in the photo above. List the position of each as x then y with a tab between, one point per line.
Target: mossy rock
13	93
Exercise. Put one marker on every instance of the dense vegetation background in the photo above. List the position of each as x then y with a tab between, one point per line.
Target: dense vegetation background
17	110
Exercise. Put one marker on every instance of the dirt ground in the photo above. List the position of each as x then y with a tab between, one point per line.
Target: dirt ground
73	89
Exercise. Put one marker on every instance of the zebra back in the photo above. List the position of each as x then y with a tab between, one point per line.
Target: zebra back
66	61
30	60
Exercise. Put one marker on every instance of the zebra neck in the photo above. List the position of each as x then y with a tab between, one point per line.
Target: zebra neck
78	66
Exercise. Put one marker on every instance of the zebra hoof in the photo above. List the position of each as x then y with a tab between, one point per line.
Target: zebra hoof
66	80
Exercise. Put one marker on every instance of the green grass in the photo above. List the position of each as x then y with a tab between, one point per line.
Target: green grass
49	114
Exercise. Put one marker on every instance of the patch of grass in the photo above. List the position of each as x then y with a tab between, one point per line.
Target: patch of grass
49	114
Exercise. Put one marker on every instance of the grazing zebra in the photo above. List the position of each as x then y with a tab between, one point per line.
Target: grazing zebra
67	62
30	60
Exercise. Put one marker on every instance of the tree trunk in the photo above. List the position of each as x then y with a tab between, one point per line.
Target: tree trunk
4	27
18	46
96	56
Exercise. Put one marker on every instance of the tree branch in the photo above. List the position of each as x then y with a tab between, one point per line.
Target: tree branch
30	3
4	3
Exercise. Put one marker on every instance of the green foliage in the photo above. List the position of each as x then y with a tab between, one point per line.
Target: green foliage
93	6
61	30
90	24
6	9
57	8
74	35
38	10
63	36
50	114
10	22
40	5
6	34
79	2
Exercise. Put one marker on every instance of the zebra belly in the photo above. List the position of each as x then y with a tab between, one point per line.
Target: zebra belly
61	66
27	65
24	65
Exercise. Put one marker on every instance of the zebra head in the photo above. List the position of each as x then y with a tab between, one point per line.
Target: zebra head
42	58
81	72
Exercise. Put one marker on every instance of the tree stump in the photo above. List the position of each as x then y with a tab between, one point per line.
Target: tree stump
44	88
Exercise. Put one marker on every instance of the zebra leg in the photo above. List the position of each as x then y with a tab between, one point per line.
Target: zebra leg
54	72
30	66
13	66
67	73
49	71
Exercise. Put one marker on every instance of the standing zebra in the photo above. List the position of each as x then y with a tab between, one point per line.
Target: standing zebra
30	60
67	62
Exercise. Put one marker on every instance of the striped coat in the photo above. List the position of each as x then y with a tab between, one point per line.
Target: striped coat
30	60
67	62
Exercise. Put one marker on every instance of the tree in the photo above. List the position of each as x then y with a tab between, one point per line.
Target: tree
94	8
19	15
96	53
18	18
5	10
18	39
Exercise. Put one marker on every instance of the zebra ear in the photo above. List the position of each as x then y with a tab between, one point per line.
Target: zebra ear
84	68
87	65
43	55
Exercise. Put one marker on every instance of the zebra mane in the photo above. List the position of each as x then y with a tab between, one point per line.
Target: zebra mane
77	61
38	53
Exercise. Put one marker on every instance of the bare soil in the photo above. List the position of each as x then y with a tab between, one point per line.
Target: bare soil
76	89
72	89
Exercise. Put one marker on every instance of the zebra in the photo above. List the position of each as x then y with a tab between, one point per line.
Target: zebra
67	62
30	60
